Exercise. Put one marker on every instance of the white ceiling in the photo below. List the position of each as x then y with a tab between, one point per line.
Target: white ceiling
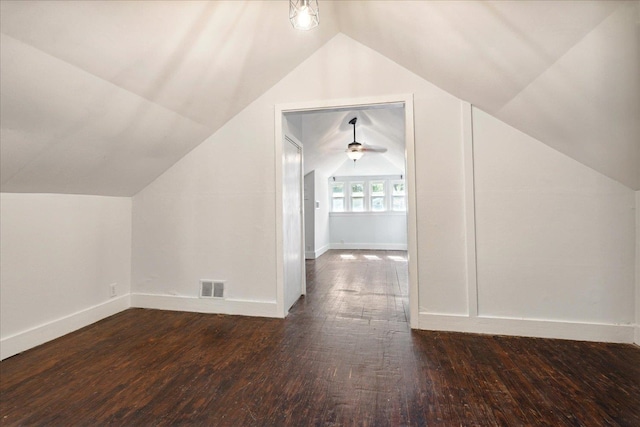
102	97
326	134
565	72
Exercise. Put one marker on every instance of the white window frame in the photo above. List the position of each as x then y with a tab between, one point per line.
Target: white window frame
367	182
344	197
384	194
364	195
392	195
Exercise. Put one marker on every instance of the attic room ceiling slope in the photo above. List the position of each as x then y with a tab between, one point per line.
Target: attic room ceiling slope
565	72
327	133
71	70
101	97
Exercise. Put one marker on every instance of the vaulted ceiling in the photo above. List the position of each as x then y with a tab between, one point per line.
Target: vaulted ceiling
101	97
326	134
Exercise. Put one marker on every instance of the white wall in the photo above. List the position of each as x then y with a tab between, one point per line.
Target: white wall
60	253
368	230
213	213
555	239
552	253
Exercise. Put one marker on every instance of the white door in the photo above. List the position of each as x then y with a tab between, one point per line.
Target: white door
292	222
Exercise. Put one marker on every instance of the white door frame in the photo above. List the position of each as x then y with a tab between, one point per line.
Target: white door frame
412	235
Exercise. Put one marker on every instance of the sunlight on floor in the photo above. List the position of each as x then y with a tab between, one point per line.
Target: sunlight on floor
397	258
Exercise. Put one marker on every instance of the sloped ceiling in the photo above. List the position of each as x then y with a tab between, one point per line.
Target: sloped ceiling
326	135
102	97
565	72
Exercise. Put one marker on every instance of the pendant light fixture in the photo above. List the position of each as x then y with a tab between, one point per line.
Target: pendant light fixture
304	14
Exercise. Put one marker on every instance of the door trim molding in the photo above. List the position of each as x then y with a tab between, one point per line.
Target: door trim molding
412	228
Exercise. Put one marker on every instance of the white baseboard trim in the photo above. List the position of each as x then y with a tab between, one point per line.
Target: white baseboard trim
637	335
33	337
370	246
316	254
322	250
528	328
206	305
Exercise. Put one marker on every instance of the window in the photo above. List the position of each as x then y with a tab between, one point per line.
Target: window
357	197
377	196
337	197
382	193
398	196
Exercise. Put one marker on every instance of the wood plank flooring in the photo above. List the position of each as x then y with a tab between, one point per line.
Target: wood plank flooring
345	356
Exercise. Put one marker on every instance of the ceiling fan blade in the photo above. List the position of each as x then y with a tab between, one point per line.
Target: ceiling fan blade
374	149
357	147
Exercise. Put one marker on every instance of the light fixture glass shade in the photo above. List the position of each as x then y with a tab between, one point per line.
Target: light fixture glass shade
355	154
304	14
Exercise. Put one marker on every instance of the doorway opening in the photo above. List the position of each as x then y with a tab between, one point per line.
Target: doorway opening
346	200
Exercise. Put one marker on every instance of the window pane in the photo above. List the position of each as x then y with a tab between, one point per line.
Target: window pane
357	204
337	189
377	188
337	205
377	204
398	188
357	189
398	203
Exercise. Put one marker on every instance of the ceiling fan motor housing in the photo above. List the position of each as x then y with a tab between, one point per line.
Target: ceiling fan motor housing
354	146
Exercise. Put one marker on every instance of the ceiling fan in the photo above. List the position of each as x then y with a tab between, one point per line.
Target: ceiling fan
356	150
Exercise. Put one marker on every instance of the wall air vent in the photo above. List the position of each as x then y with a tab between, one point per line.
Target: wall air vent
206	289
218	289
211	289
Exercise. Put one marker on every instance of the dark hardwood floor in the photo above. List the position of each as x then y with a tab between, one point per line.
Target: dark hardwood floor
344	356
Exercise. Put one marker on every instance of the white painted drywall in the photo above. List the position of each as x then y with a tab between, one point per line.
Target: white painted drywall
555	239
60	253
368	230
212	215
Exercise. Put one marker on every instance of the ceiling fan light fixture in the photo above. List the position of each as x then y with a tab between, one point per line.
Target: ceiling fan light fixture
355	150
355	154
304	14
